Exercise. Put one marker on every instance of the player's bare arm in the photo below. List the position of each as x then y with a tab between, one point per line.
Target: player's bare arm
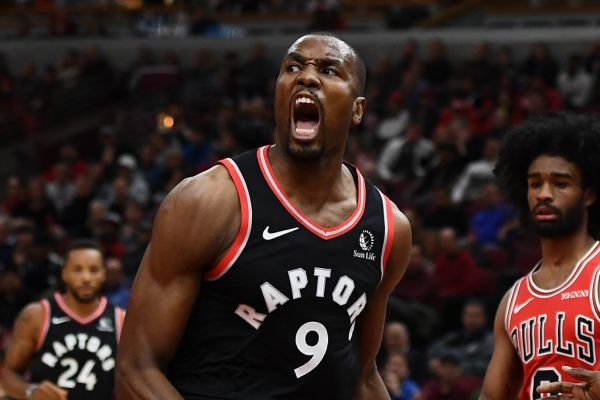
27	330
193	228
371	322
504	375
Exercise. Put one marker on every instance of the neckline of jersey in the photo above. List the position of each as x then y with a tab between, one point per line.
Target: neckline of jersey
73	315
534	288
296	213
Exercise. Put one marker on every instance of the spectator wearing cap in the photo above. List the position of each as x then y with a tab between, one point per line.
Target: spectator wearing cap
138	188
107	235
133	217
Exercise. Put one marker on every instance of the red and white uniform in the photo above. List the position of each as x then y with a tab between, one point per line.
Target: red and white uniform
554	327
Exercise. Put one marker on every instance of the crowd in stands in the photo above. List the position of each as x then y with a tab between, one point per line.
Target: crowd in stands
429	139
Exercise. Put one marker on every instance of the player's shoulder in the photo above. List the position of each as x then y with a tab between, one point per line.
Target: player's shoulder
211	187
31	318
401	222
34	310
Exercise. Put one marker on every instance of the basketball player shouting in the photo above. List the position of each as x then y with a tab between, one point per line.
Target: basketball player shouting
67	343
268	276
551	317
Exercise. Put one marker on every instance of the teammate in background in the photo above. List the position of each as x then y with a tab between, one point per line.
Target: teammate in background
550	317
68	342
268	275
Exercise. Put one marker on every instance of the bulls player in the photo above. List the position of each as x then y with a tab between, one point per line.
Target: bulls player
67	344
550	318
268	275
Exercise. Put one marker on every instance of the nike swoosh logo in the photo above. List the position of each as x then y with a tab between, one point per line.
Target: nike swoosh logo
60	320
520	306
274	235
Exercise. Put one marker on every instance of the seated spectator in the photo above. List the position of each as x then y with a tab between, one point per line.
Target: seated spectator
396	120
419	284
397	340
406	158
441	212
117	286
457	275
540	64
451	383
490	226
473	344
128	169
476	174
61	190
575	84
396	376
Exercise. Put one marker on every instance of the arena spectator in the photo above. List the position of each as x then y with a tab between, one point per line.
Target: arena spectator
473	344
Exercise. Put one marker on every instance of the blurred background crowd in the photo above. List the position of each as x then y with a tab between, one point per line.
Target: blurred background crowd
95	145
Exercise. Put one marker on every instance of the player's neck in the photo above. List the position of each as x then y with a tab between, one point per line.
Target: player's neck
79	308
314	178
565	252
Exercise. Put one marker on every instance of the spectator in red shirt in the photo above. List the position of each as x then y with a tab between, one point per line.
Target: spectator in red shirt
457	275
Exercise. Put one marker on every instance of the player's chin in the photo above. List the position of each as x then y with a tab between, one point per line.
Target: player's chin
86	295
305	151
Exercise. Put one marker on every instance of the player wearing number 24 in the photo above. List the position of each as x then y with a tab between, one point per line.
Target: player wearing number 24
67	343
550	318
267	277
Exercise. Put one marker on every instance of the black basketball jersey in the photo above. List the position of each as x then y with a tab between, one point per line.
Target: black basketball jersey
78	354
275	318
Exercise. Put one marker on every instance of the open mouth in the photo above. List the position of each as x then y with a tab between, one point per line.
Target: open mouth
305	118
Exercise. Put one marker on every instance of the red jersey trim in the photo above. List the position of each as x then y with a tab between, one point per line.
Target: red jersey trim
322	232
510	305
45	324
388	238
544	293
594	299
241	239
81	320
119	316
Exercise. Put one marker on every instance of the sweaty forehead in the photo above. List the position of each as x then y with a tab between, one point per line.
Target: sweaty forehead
315	46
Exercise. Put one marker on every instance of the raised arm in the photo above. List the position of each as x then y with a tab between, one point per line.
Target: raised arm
504	373
23	344
371	322
193	228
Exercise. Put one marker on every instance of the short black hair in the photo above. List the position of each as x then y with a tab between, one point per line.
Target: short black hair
80	244
574	137
358	66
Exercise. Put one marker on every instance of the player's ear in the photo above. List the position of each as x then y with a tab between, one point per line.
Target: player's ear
589	197
358	109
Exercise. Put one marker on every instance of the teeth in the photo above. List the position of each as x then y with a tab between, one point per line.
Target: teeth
306	100
304	131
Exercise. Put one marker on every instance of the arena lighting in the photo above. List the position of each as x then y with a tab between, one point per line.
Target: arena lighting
165	121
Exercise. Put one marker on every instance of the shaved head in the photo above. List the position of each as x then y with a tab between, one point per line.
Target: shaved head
348	53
